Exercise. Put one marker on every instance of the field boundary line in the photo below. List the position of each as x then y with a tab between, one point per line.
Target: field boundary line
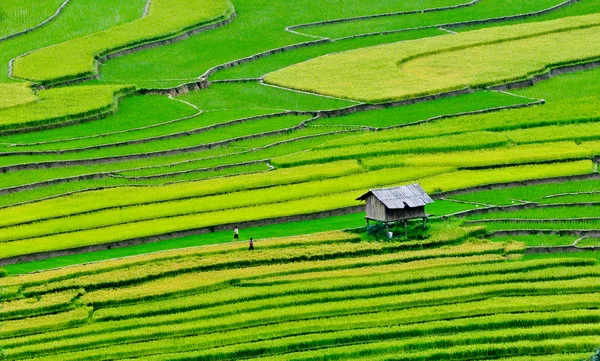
558	195
292	28
146	8
35	27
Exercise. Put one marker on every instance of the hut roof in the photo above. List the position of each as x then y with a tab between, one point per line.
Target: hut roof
411	195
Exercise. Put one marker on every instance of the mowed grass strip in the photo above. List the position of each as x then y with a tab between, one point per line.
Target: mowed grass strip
440	64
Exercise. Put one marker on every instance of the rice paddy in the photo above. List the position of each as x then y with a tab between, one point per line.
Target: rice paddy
136	136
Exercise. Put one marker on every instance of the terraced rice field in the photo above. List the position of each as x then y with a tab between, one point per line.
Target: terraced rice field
135	135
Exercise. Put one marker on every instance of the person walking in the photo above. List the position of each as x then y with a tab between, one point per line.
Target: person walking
236	233
251	244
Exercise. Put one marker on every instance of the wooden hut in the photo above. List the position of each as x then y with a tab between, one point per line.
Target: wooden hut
396	204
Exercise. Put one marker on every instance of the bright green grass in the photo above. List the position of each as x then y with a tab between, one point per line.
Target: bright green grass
424	111
221	103
63	104
259	67
543	213
578	198
556	113
226	96
538	240
166	126
220	134
165	164
574	9
134	111
99	15
589	242
276	230
444	63
576	255
534	153
532	193
571	86
164	19
266	20
17	15
444	207
483	10
545	226
450	143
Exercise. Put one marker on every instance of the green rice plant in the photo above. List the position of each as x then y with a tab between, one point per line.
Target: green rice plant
574	9
63	104
16	94
244	151
45	304
448	279
423	111
466	307
446	351
575	198
124	196
98	16
533	193
473	178
164	20
32	325
134	112
188	283
549	226
301	343
538	240
441	64
182	143
144	268
258	96
570	212
382	301
558	113
259	67
536	153
359	322
17	16
443	144
158	307
481	10
268	23
588	242
113	215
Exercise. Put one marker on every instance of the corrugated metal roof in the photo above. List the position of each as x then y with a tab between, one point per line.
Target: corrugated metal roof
411	195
